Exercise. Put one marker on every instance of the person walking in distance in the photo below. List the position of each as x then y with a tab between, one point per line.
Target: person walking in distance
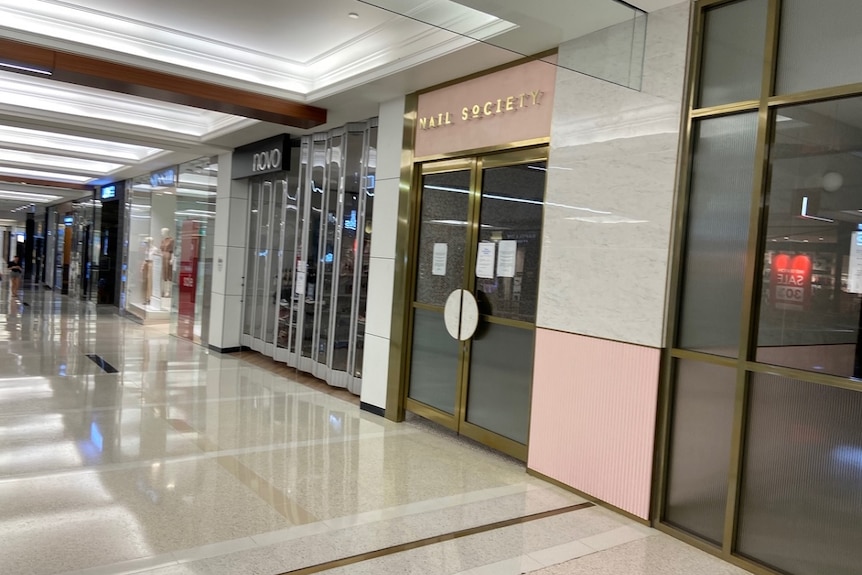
16	270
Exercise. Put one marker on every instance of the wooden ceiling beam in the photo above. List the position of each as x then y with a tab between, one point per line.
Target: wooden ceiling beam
136	81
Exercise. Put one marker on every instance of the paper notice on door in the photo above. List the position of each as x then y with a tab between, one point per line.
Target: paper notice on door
299	288
506	259
438	266
485	260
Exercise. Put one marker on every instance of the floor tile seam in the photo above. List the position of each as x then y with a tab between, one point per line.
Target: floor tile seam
433	540
233	452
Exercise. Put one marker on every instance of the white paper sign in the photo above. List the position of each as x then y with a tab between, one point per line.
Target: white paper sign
299	287
485	260
438	267
854	271
506	259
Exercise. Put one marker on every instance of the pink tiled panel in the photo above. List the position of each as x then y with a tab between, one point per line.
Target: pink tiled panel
593	417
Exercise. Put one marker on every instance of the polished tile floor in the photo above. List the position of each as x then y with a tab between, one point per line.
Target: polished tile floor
191	462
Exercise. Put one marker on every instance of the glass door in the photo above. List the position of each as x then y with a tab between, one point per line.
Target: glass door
476	286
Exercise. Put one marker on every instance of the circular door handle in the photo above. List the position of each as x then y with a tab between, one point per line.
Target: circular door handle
461	314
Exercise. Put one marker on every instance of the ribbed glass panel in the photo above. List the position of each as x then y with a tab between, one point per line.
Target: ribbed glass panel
501	374
819	45
700	448
811	293
717	233
251	258
801	508
732	61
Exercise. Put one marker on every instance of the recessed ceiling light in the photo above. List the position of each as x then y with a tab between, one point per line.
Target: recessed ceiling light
353	15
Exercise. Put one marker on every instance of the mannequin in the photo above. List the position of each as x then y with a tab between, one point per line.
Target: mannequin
167	249
147	269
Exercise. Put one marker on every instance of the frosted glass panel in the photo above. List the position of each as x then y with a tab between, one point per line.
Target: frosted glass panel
501	377
801	506
734	40
434	368
251	258
700	448
717	234
819	44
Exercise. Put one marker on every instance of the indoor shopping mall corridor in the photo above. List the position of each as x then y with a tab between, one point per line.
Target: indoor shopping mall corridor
124	450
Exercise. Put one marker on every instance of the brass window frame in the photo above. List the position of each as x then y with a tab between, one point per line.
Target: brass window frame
766	107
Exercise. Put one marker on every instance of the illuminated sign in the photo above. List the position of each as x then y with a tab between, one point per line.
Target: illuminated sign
164	178
109	192
69	220
350	223
790	282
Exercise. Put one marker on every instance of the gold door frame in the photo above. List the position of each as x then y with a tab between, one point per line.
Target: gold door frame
476	164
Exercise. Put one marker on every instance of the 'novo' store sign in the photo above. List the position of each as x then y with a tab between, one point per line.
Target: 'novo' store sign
263	157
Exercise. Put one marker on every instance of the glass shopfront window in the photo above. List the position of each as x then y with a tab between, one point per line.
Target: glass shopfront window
308	256
811	287
168	266
762	457
192	255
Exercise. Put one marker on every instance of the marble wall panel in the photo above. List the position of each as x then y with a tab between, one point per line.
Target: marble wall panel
610	192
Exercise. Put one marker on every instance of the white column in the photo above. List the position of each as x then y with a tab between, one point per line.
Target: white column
381	274
228	259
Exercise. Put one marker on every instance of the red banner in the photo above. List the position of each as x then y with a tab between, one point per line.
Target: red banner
188	278
790	282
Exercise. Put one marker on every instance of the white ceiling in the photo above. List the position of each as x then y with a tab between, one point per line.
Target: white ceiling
299	50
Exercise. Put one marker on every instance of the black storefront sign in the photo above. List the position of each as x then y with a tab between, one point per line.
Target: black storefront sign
263	157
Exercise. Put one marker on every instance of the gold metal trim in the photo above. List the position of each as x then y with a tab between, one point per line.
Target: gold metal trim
438	416
436	539
520	324
704	4
518	157
427	307
587	496
805	376
443	166
726	109
401	310
494	440
704	357
712	549
486	150
812	96
751	281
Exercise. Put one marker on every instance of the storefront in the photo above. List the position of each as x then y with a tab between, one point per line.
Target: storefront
762	442
70	247
168	260
309	231
106	258
475	228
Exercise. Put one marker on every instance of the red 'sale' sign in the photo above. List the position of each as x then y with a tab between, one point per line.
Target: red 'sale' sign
790	282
